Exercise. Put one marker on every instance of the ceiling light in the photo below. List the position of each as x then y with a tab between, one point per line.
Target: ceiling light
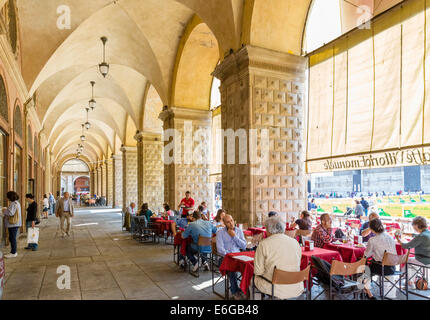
87	124
83	138
104	67
92	103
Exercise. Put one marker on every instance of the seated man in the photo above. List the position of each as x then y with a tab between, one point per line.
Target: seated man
323	232
280	251
183	224
230	239
128	220
195	229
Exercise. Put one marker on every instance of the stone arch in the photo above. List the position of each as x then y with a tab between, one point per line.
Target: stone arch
197	56
4	106
30	138
17	121
283	20
13	34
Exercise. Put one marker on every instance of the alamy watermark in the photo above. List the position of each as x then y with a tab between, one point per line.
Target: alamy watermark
190	146
64	280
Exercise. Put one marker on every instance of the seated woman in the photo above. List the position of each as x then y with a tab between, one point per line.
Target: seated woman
421	244
167	214
146	213
305	222
365	231
376	247
218	221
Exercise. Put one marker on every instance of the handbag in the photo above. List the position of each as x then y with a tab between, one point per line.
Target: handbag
32	235
14	219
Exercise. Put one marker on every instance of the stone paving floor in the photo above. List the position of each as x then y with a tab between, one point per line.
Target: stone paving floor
105	263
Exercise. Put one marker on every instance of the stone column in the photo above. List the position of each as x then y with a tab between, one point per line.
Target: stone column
129	176
91	182
99	180
104	178
109	182
117	180
150	170
264	89
187	163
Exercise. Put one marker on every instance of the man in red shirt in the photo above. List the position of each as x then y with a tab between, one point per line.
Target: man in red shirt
187	204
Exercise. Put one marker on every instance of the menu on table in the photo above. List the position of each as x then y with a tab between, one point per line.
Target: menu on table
243	258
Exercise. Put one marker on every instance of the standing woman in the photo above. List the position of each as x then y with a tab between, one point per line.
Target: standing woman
13	222
45	206
31	218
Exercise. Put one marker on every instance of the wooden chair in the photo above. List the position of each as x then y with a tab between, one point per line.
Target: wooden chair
216	260
394	260
281	277
291	233
303	234
202	242
339	268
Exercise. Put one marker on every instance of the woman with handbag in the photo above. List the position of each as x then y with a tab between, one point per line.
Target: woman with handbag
12	217
31	218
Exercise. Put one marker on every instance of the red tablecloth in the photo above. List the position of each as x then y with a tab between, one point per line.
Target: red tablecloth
178	241
352	253
229	264
247	233
325	254
349	253
351	221
164	225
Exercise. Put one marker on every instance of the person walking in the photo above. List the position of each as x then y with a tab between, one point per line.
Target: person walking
31	218
45	206
65	211
13	221
51	204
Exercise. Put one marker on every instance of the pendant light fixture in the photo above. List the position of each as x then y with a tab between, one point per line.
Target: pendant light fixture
92	103
104	67
87	124
83	138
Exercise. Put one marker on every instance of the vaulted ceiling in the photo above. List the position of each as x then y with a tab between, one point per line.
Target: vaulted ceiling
161	52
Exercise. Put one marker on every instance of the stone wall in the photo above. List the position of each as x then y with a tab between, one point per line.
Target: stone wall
129	176
264	89
117	180
109	178
186	174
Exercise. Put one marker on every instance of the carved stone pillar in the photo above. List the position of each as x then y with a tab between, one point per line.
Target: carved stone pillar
92	182
187	159
129	176
99	180
109	182
150	170
264	90
117	180
104	178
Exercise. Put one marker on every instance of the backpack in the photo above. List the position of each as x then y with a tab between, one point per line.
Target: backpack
323	273
339	234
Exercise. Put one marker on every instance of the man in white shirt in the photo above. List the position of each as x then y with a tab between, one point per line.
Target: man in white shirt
128	219
281	251
65	211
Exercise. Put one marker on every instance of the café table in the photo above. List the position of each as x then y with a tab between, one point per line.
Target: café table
255	230
350	253
247	233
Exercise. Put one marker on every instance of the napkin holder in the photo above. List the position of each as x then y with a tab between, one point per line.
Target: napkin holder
358	240
309	245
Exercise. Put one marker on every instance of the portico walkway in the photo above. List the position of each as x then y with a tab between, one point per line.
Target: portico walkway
105	263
